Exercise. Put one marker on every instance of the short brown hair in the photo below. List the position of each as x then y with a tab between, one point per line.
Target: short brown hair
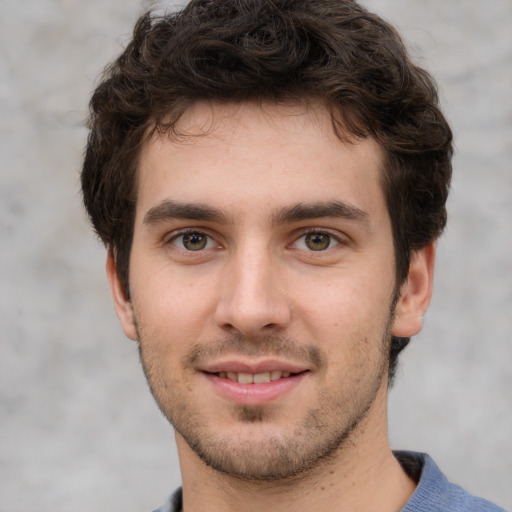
334	51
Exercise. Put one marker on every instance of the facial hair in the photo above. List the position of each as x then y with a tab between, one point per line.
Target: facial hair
273	454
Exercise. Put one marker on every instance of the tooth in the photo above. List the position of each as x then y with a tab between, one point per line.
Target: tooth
275	375
260	378
232	376
222	375
245	378
285	374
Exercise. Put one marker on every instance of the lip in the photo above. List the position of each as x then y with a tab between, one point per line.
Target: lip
254	394
254	367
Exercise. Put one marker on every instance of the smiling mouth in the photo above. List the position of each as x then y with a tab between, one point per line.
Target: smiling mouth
254	378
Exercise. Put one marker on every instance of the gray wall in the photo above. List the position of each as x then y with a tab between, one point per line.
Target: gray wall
78	429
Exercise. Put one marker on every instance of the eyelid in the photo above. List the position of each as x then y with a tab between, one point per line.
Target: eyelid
174	235
341	239
338	237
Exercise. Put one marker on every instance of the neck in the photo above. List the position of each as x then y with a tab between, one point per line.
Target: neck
363	475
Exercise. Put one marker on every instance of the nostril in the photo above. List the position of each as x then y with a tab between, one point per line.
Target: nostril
251	314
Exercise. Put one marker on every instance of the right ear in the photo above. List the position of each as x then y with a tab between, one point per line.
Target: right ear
122	305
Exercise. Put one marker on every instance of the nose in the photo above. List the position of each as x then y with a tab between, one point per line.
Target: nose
252	300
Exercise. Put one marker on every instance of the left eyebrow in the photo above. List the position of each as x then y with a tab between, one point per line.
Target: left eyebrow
329	209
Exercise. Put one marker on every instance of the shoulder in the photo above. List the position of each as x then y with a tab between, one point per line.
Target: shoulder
434	492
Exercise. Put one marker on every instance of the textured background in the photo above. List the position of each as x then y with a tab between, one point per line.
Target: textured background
78	429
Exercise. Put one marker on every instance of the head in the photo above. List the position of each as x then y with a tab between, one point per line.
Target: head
331	52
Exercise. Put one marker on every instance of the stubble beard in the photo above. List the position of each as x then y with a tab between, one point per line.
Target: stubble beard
324	431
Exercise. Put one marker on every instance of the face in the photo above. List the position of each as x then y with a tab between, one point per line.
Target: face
261	280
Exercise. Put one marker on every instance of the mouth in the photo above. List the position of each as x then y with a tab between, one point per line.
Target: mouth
254	388
255	378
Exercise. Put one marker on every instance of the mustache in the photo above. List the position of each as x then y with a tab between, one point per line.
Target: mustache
260	346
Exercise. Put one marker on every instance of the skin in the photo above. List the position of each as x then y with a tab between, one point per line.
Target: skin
297	271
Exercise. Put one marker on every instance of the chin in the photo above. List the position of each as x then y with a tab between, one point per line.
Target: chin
259	449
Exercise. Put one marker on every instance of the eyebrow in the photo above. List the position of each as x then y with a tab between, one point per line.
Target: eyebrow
169	209
174	210
329	209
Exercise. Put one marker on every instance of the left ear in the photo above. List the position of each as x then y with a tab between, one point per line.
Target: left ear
415	293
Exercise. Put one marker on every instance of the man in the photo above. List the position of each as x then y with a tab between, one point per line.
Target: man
270	178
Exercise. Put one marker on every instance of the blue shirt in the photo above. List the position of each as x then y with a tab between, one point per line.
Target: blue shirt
434	493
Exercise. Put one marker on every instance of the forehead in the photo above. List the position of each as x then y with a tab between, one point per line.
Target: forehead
258	155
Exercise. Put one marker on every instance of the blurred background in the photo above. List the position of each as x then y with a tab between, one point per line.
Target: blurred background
78	428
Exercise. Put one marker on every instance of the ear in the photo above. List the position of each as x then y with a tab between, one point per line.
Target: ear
415	293
122	305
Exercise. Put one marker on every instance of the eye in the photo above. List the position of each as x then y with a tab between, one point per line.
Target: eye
316	241
193	241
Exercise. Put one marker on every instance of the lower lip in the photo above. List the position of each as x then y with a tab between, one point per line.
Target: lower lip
254	394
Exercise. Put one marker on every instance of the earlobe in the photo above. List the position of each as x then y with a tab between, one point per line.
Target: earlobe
415	293
122	305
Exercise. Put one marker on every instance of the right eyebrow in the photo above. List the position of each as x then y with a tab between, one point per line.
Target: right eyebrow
168	209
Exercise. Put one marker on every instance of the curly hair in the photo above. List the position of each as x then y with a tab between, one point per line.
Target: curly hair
334	51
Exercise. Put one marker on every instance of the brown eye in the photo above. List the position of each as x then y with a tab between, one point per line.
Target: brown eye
317	241
193	241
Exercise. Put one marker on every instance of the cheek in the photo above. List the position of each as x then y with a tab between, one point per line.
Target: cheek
348	302
348	320
172	309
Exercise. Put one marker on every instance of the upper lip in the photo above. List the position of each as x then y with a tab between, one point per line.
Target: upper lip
253	367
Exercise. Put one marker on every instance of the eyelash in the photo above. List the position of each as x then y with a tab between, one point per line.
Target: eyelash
181	234
303	234
318	231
